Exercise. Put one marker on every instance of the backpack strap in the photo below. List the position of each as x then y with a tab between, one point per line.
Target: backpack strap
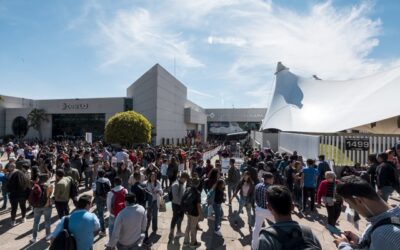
387	221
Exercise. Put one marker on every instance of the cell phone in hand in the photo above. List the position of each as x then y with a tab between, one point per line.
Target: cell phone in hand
334	230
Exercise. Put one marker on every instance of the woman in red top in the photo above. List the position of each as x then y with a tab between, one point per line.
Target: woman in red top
327	193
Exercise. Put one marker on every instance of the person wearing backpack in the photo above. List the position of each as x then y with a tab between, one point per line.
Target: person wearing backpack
62	193
115	203
177	191
139	190
285	234
39	199
100	190
382	231
81	226
191	201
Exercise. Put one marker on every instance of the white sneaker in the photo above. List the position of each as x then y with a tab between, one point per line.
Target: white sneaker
23	220
13	223
33	240
218	233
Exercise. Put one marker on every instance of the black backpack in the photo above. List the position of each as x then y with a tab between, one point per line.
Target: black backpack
64	240
187	203
388	221
299	238
102	189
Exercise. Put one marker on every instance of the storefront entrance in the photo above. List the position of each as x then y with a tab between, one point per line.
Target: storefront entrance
74	126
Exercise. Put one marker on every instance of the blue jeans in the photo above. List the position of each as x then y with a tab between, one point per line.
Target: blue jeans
100	205
5	197
88	179
386	192
37	213
111	220
245	202
152	214
218	216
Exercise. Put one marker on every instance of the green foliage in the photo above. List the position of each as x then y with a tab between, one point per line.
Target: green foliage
128	128
35	119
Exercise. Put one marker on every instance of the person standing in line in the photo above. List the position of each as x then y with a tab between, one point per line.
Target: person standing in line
309	183
153	186
323	167
42	191
177	189
192	208
372	166
261	211
101	187
164	176
385	176
327	193
219	198
129	226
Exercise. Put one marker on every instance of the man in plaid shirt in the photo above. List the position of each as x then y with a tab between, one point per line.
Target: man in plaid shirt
262	212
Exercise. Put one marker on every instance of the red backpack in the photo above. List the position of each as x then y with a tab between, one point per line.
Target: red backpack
119	201
38	196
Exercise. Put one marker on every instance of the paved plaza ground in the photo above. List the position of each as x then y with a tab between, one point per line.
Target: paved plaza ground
233	237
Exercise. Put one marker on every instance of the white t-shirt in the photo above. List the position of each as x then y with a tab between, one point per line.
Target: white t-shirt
164	168
121	156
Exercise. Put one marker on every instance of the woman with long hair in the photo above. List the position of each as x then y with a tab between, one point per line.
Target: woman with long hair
245	189
154	189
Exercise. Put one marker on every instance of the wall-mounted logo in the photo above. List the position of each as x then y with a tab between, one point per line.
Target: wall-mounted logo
79	106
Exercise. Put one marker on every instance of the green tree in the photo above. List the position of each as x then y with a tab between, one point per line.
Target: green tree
35	118
128	128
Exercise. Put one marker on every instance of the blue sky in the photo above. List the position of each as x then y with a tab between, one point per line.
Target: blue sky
225	51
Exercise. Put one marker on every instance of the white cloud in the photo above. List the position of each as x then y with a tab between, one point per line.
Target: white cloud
199	93
253	35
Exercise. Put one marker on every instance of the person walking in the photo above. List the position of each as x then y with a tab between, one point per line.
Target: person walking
285	233
82	224
245	188
177	191
385	177
129	226
261	210
115	203
62	193
18	186
100	190
232	180
40	200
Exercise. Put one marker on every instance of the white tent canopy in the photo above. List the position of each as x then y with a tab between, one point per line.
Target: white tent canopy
310	105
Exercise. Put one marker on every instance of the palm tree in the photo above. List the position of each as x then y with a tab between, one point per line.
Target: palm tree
35	118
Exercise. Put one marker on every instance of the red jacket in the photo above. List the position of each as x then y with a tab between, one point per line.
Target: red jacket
323	189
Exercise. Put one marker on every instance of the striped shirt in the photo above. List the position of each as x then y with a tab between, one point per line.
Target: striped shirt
261	195
385	237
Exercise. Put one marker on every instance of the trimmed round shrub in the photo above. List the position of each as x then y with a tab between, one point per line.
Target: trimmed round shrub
128	128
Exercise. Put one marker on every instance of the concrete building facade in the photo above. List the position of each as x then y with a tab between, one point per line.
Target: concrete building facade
157	94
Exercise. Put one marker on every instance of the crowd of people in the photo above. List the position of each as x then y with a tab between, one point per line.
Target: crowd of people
133	185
